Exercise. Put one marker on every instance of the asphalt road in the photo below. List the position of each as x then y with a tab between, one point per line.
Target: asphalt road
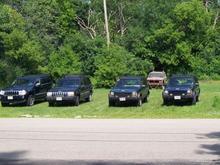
61	141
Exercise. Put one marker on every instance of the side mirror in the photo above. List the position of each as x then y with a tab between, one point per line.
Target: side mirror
197	84
37	84
143	86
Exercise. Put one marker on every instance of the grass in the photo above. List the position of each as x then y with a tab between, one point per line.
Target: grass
207	107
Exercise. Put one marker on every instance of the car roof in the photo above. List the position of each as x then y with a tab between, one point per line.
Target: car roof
35	76
131	77
157	72
183	75
74	76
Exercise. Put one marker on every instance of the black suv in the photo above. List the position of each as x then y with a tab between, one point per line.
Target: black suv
129	89
27	89
71	89
181	88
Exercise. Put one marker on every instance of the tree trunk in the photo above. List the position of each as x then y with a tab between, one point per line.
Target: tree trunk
106	23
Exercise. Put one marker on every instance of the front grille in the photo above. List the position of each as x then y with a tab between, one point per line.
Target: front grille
175	93
122	94
154	81
11	93
59	93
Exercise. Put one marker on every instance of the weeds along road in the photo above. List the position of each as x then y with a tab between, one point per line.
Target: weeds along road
66	141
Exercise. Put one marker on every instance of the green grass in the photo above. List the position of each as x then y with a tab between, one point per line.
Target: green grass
207	107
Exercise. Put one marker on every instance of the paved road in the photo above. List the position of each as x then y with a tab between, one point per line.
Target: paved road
60	141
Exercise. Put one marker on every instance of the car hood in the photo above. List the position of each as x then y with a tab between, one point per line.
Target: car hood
125	90
178	88
155	78
63	89
18	88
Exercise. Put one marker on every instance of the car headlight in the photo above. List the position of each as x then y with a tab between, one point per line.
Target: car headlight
112	93
2	92
49	94
22	93
166	92
70	93
189	91
134	94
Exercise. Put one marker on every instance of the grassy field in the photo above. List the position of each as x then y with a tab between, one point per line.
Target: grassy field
207	107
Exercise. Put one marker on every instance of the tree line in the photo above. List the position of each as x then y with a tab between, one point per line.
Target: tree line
68	36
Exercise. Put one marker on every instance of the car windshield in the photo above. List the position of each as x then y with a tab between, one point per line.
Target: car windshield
23	81
126	83
156	74
181	81
68	82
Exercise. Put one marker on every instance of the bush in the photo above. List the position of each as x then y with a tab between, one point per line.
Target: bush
64	61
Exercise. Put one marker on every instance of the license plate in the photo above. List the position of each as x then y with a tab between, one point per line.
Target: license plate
122	99
177	97
10	97
59	98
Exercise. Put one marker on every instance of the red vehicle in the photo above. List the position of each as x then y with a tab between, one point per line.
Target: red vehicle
157	79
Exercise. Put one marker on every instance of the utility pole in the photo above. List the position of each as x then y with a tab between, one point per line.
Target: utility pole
106	23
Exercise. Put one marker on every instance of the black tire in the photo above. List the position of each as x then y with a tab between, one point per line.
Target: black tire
165	102
145	99
89	99
139	102
111	103
30	100
197	98
51	104
5	104
77	101
193	101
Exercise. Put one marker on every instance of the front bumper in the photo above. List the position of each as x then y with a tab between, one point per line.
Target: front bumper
53	99
13	99
126	99
177	98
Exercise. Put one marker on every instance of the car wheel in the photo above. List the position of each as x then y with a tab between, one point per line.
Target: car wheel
139	103
51	104
193	102
77	101
89	99
5	104
165	102
111	103
30	101
197	98
145	99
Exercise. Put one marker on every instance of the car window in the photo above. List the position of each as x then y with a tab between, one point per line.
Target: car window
181	81
68	82
23	81
156	74
129	83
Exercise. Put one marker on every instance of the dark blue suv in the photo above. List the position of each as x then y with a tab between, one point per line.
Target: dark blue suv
181	88
129	89
27	90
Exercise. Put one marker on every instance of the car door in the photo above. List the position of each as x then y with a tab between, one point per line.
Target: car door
37	89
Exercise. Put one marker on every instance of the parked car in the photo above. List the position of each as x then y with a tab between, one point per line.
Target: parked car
26	89
181	88
129	89
71	89
156	79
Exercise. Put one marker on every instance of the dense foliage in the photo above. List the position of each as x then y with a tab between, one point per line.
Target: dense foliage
68	36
